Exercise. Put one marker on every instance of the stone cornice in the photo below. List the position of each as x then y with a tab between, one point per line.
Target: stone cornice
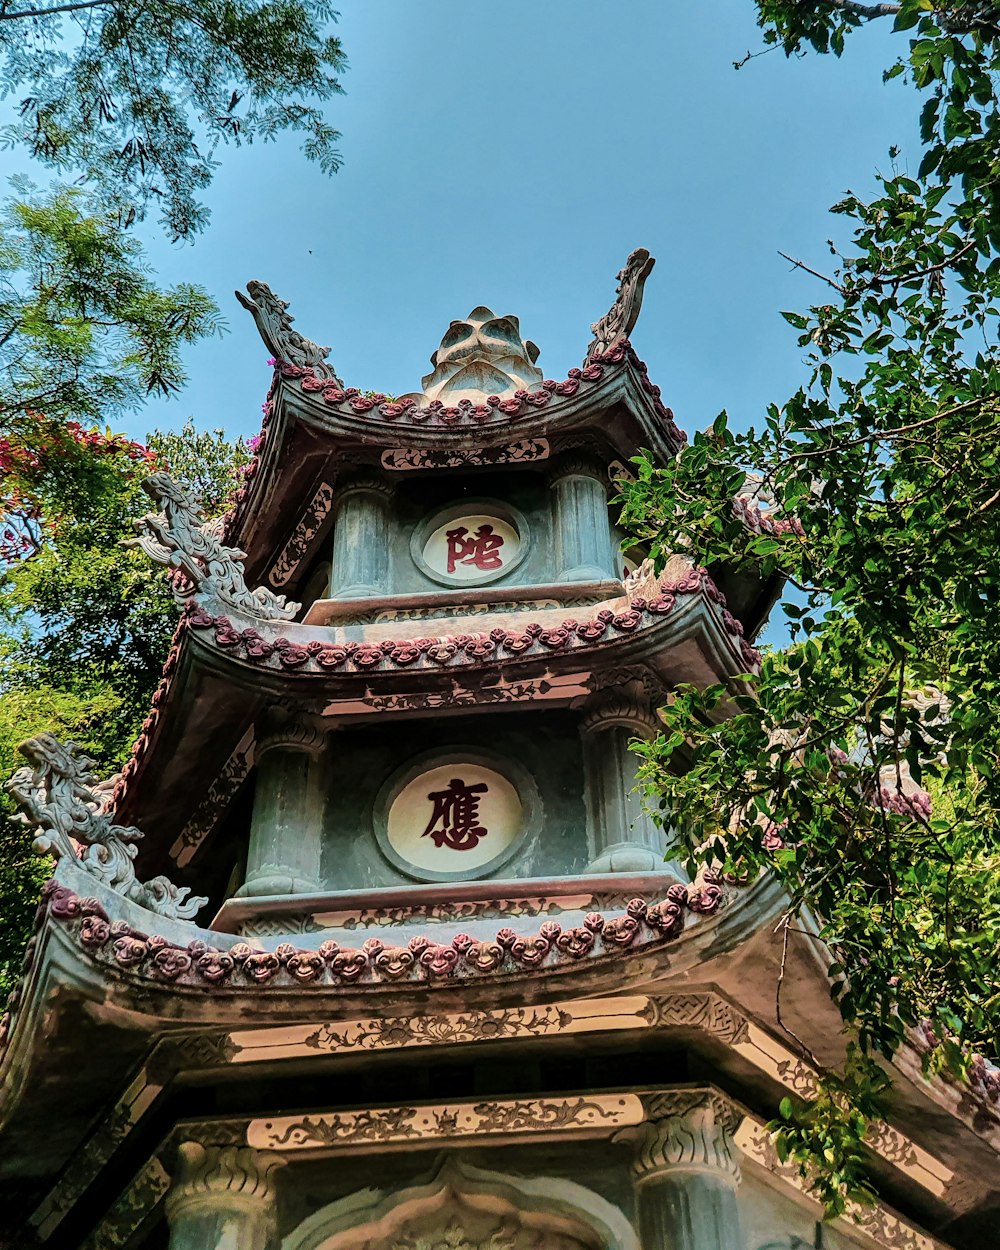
316	651
155	958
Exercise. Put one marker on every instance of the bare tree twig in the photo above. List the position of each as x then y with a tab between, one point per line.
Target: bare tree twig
799	264
58	8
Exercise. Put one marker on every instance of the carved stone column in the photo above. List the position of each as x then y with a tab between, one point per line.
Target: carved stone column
360	567
584	546
687	1173
623	837
223	1198
286	829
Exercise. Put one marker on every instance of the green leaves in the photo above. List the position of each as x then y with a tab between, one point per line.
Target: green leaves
84	331
863	773
135	101
84	625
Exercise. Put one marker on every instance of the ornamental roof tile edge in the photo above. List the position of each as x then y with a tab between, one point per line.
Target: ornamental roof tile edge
377	410
429	654
200	965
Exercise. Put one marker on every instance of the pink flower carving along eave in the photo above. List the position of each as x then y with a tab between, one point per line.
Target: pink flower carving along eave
383	421
154	958
305	656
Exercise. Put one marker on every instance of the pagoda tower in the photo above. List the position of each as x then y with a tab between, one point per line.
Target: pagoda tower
372	943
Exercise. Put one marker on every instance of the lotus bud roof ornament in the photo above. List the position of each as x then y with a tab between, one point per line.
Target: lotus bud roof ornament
481	356
274	323
180	538
619	321
62	801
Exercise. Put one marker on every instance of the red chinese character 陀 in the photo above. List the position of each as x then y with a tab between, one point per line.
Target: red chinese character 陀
481	549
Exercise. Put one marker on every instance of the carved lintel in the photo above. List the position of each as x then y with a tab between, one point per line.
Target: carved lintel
179	538
274	323
687	1129
619	321
524	450
222	1174
58	800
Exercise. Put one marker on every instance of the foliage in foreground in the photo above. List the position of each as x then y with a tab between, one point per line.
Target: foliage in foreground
84	623
133	97
862	763
85	332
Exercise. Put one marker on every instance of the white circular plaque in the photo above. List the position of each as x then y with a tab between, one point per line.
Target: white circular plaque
454	818
473	548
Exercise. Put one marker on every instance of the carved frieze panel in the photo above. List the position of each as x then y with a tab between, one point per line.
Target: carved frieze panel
524	451
392	1032
500	1118
132	1208
210	810
313	519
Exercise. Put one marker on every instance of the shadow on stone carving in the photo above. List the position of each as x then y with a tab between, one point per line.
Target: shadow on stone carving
468	1208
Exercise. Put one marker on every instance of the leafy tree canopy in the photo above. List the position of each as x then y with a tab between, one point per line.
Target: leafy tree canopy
134	97
84	623
85	332
861	765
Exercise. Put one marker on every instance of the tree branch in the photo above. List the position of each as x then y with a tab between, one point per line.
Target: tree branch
799	264
868	11
58	8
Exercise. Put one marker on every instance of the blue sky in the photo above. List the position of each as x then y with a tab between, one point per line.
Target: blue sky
513	154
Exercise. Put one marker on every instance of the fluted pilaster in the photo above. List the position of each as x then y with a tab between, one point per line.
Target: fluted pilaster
687	1172
623	836
223	1198
360	568
584	547
286	829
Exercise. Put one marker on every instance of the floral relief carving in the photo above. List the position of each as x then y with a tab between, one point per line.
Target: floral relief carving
319	1130
455	1237
309	525
520	452
472	1026
220	794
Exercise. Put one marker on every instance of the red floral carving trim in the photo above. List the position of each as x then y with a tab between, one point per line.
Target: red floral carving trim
422	959
523	402
470	648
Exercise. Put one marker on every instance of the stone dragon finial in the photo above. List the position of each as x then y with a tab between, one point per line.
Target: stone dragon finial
619	321
274	323
61	800
179	537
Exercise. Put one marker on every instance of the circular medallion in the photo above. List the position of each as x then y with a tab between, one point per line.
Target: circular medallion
470	544
453	818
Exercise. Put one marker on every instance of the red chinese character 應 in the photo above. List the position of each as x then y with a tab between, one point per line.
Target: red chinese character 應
457	811
481	549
